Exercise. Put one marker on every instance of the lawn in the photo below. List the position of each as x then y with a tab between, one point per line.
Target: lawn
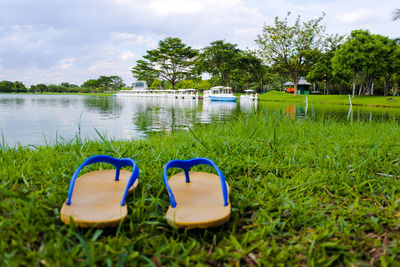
383	101
303	192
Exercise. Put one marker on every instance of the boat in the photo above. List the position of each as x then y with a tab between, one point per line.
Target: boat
186	94
221	93
140	85
206	94
249	95
140	89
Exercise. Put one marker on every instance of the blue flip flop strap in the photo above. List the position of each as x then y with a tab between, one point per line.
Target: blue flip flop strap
185	165
118	163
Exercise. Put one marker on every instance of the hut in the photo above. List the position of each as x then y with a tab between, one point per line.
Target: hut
289	87
303	87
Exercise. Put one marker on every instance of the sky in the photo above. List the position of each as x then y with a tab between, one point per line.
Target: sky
55	41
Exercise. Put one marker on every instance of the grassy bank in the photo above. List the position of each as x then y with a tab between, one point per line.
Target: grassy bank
302	192
379	101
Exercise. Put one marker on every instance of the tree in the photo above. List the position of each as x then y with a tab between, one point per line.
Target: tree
219	59
366	57
91	84
293	48
41	87
173	61
144	71
248	71
391	62
110	82
322	71
19	87
104	83
185	84
156	84
6	86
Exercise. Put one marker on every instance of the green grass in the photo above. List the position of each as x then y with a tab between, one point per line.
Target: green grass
302	193
379	101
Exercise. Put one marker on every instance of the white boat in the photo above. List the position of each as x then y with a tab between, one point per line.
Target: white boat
249	95
146	93
140	90
221	93
186	94
206	94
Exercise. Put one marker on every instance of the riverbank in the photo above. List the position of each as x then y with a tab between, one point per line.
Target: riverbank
376	101
302	192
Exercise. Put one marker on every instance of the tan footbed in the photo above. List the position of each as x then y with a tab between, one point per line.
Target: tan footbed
96	199
200	203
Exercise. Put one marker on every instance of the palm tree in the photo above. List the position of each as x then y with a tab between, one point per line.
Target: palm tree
396	14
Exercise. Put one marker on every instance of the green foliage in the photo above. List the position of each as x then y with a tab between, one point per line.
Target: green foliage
12	87
106	82
156	84
302	193
92	84
100	89
230	66
366	57
6	86
41	87
185	84
166	85
19	87
219	59
144	71
202	85
172	61
322	71
249	71
293	49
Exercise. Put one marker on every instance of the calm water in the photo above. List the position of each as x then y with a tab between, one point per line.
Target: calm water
41	119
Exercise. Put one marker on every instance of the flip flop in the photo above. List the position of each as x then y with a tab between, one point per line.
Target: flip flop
99	196
197	201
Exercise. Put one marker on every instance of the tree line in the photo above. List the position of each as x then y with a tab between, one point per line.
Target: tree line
99	85
361	63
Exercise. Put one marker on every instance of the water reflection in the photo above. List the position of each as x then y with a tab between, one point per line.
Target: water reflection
334	112
105	106
248	105
163	114
12	102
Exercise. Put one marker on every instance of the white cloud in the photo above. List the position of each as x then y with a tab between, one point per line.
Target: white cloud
66	63
73	41
358	16
126	38
176	7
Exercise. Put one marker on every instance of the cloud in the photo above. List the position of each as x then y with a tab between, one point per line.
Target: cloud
358	16
66	63
176	7
76	40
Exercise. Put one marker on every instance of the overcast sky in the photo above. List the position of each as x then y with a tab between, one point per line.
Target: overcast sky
54	41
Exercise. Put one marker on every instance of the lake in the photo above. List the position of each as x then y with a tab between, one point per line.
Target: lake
47	119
